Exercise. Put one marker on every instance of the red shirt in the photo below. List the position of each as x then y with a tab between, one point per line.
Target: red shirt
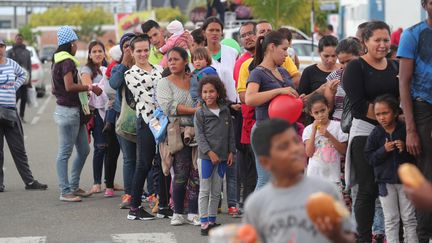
238	64
247	111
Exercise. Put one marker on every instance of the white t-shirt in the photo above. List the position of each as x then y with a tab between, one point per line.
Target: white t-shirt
326	160
215	111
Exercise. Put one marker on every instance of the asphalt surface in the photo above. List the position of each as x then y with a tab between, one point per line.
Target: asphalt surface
39	216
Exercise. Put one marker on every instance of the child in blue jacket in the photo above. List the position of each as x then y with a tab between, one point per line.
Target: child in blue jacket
385	150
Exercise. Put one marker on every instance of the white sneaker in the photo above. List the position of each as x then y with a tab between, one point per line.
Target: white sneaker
177	219
193	219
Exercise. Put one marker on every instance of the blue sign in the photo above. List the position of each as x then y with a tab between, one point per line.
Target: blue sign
376	10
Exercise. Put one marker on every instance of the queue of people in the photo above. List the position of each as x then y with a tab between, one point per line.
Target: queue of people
189	111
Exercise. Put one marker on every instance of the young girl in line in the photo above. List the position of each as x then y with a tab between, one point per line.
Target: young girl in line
92	73
385	151
325	142
216	147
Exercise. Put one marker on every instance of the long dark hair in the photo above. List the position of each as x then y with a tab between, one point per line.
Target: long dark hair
273	37
93	67
371	27
210	20
326	41
217	84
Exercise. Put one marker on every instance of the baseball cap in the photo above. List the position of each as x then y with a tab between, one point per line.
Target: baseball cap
2	42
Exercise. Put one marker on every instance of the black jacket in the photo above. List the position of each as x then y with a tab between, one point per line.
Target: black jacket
22	56
385	163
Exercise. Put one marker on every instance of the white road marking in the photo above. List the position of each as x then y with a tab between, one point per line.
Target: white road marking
33	239
144	238
34	120
44	105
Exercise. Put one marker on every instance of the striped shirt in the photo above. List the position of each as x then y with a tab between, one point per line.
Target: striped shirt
340	94
12	76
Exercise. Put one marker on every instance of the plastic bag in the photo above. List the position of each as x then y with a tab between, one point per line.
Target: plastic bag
31	97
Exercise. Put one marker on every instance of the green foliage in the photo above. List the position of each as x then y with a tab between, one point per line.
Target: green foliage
89	21
287	12
170	14
29	36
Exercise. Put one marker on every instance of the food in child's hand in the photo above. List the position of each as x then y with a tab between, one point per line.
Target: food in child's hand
322	205
246	234
410	175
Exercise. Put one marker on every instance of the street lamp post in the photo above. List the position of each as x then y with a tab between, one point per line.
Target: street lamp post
312	26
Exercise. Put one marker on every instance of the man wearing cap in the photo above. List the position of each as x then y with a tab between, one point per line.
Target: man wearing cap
12	76
22	56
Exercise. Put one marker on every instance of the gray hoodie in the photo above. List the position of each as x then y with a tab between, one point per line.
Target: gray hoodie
214	133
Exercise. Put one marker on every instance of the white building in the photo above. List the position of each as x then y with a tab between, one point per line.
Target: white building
396	13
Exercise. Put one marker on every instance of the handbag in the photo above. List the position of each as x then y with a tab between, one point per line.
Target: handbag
175	141
126	122
346	119
158	125
8	117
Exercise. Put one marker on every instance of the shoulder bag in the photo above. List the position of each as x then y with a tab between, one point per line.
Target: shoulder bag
126	122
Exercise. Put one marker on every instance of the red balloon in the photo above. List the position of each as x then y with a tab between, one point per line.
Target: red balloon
285	107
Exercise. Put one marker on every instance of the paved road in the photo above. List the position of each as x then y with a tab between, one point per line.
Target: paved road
39	216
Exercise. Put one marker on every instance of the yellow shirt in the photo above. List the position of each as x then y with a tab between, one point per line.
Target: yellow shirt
244	72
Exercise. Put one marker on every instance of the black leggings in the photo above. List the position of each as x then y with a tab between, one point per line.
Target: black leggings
364	207
146	151
111	156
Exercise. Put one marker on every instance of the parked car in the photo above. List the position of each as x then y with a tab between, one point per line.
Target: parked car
37	71
46	53
307	56
296	33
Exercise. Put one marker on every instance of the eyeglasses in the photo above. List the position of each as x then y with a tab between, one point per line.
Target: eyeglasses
247	34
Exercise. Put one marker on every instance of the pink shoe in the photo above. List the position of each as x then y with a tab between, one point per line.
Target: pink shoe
109	192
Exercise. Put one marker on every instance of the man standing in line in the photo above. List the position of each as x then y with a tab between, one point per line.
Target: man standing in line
415	86
22	56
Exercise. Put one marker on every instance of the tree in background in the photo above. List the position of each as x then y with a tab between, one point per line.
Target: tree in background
169	14
29	35
287	12
89	22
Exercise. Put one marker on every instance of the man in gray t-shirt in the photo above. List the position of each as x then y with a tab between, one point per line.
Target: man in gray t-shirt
279	214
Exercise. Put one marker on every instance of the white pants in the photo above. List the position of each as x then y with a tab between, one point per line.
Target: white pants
396	206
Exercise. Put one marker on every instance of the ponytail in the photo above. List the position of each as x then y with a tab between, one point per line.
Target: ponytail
259	52
273	37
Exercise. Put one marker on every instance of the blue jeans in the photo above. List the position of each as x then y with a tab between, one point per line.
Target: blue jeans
129	151
71	133
263	176
231	180
100	146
